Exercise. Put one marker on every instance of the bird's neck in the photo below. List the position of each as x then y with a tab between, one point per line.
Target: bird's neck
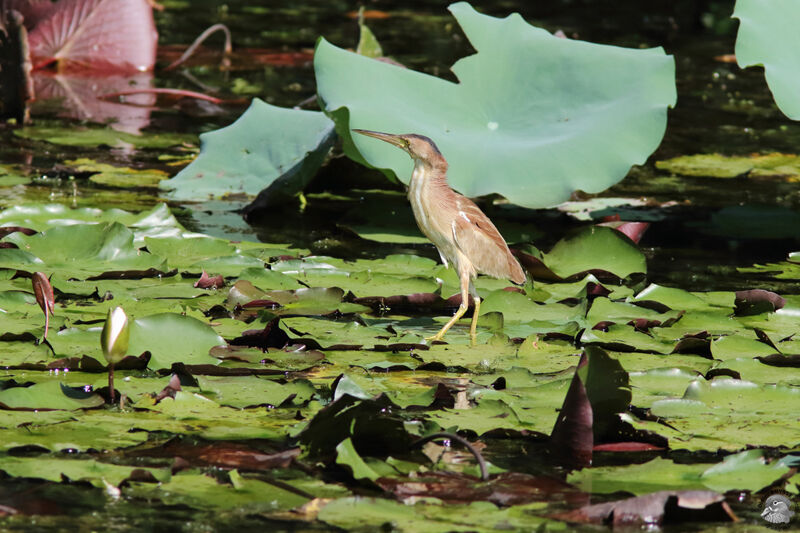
428	182
428	173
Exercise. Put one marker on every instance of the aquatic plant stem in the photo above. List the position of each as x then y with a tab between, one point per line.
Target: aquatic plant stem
451	436
111	381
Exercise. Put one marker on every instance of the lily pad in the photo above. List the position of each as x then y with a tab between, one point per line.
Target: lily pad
50	395
173	338
527	100
268	148
720	166
595	248
94	136
105	174
79	250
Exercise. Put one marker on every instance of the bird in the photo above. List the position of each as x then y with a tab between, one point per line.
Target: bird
461	232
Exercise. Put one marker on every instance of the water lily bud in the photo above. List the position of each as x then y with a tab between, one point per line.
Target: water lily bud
114	339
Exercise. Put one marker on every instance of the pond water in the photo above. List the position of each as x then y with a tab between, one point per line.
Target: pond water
702	229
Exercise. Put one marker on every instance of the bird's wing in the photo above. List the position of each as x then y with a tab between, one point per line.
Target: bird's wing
479	240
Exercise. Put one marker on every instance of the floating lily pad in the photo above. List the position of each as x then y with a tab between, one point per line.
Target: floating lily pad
51	395
595	248
85	137
527	100
79	250
105	174
172	338
720	166
52	469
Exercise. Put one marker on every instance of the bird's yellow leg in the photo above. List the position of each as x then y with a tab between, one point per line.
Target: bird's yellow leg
465	282
474	326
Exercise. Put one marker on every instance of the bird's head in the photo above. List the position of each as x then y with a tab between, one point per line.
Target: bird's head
418	147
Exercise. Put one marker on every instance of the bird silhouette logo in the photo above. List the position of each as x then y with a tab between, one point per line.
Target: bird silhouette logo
778	509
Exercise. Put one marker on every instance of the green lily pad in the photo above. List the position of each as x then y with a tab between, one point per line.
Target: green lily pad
527	100
743	471
79	250
92	136
246	156
245	391
767	36
156	221
105	174
431	516
347	455
720	166
77	435
52	468
200	491
50	395
731	414
172	338
595	248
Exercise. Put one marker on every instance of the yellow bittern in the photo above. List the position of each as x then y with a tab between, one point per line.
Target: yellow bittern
457	227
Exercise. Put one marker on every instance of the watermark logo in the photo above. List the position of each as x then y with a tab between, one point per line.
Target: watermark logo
778	509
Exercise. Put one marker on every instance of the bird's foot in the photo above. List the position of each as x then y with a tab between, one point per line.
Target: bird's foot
434	338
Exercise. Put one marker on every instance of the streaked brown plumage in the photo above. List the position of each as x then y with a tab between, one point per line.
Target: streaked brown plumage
457	227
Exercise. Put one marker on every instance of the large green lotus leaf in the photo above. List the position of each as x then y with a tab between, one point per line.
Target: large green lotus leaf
52	468
267	147
768	36
80	250
526	104
50	395
595	248
172	338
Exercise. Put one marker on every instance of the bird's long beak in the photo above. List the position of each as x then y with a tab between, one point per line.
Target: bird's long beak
396	140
